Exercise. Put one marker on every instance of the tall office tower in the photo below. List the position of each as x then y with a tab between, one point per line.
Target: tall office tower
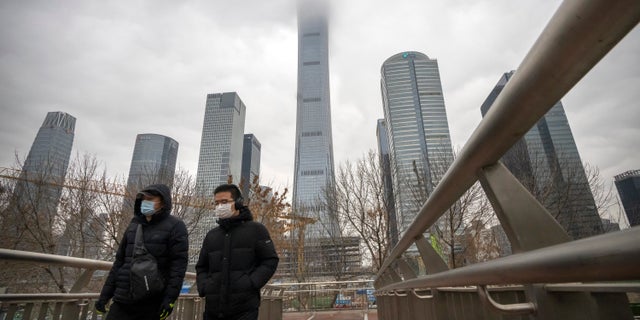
220	155
547	163
222	140
314	173
154	161
41	181
628	185
417	129
250	162
385	164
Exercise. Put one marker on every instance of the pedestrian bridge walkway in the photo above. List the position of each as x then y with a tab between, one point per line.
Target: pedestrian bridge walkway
332	315
549	276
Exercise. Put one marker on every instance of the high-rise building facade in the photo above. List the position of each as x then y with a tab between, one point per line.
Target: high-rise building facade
417	129
51	150
314	171
628	185
546	161
220	159
42	178
250	162
153	161
384	152
222	139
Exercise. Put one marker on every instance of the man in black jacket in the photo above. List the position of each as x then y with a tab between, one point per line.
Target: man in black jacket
165	237
236	260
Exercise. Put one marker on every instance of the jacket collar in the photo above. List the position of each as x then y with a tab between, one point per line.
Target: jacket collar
229	223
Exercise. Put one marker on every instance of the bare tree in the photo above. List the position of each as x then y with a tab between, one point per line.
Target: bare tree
603	194
359	203
47	213
188	205
271	208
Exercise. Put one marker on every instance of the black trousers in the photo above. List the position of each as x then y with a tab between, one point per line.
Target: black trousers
149	310
249	315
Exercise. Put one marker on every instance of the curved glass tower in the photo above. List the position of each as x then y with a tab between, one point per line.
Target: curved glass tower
38	191
314	175
417	128
154	161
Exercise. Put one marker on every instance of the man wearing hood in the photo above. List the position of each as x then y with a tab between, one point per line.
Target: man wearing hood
236	260
165	237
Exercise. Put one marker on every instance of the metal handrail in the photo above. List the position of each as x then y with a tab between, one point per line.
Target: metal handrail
65	261
608	257
593	287
20	297
576	38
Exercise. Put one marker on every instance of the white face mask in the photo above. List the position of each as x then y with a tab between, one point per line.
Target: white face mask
147	207
223	210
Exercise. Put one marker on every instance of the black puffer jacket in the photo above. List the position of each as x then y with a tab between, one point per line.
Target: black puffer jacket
165	237
236	260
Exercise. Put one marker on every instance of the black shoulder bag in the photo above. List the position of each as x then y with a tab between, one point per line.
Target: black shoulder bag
145	279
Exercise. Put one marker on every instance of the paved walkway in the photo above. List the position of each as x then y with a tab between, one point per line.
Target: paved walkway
332	315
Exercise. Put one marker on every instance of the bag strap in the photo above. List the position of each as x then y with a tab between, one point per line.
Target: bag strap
139	248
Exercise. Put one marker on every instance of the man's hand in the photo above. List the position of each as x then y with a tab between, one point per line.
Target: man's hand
101	306
165	309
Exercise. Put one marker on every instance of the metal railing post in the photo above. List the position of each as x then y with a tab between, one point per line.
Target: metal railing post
526	222
432	260
529	226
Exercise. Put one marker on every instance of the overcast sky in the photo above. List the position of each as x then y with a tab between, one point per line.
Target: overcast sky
129	67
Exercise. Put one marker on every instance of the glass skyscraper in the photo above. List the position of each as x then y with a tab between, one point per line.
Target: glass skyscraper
220	156
250	162
42	178
153	161
417	129
628	185
221	145
314	171
384	152
547	163
51	150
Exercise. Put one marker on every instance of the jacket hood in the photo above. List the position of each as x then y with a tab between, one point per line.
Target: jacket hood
156	189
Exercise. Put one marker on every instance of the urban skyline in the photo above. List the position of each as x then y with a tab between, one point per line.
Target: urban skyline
127	93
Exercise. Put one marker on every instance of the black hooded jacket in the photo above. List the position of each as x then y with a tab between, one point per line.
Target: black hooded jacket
236	260
165	237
